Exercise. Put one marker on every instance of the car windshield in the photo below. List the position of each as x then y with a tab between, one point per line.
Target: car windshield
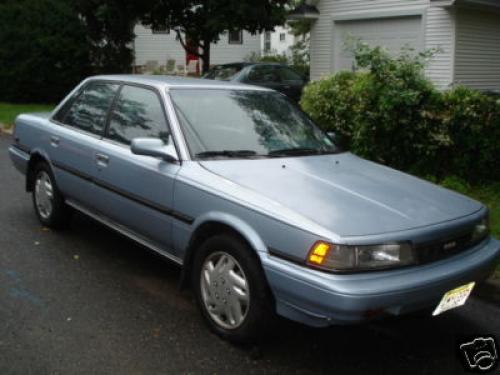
223	72
246	123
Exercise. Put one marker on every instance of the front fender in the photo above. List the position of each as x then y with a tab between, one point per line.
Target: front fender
228	220
237	224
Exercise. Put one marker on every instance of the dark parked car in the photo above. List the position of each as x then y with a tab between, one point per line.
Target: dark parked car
278	77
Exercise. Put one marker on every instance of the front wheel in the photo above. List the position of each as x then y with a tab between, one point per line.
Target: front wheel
231	289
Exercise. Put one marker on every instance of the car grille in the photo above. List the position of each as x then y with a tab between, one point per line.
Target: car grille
441	249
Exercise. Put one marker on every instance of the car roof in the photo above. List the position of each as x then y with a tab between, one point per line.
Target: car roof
246	63
169	82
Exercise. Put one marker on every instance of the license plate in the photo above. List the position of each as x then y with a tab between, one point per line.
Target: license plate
454	298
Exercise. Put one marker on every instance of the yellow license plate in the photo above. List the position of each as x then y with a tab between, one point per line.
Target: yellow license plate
454	298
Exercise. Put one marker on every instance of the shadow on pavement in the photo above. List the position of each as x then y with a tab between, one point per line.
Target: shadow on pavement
409	345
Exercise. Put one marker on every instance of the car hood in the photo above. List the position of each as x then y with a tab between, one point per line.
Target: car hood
345	194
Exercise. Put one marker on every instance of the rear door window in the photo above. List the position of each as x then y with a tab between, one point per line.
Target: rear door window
263	74
223	72
90	109
138	113
288	75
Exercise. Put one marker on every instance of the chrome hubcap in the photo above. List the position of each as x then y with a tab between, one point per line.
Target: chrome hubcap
224	290
44	194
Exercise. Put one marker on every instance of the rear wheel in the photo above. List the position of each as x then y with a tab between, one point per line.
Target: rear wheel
47	200
231	289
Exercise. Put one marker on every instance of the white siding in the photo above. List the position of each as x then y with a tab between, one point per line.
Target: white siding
392	33
223	52
156	47
322	38
477	62
279	46
161	47
439	33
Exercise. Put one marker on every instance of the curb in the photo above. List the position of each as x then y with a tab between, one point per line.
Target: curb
4	130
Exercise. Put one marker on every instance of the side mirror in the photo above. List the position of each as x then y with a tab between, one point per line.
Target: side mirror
154	147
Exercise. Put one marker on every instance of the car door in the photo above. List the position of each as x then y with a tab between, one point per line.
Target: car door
291	82
136	191
78	127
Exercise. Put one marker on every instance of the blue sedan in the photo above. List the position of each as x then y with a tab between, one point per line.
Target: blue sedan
266	215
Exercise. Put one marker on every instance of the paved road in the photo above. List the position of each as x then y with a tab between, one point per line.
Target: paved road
87	301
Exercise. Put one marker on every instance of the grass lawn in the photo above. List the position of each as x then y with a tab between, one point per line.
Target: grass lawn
8	112
489	195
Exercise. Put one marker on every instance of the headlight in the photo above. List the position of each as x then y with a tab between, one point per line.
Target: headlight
481	230
332	257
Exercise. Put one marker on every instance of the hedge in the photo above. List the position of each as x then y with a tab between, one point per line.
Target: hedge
391	113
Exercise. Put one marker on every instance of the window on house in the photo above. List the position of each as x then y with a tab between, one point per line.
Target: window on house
267	41
282	37
236	37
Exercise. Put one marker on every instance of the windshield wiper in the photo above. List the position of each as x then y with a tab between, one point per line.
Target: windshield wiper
226	153
300	151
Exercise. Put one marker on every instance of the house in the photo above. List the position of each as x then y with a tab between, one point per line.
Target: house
156	46
467	32
278	41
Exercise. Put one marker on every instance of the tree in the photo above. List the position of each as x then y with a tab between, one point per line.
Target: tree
299	27
43	51
109	27
198	23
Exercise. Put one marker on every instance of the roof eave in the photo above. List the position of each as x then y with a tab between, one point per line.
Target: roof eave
303	12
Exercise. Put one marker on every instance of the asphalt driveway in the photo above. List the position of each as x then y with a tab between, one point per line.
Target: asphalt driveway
87	301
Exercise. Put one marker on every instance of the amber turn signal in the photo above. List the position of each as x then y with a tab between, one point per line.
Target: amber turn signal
318	253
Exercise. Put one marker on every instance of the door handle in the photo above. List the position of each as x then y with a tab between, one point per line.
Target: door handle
102	160
54	141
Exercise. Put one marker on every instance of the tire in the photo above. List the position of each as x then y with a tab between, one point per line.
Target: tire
48	201
235	261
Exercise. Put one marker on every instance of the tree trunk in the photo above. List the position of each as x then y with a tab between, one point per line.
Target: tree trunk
205	57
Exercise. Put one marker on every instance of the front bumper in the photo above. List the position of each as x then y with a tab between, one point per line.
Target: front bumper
321	299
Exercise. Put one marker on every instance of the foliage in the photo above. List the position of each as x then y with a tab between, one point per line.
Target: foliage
472	120
202	22
300	59
48	46
331	103
109	28
43	50
488	193
389	112
277	58
299	27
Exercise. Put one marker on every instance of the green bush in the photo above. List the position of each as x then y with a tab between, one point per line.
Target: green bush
390	113
43	50
473	124
332	104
